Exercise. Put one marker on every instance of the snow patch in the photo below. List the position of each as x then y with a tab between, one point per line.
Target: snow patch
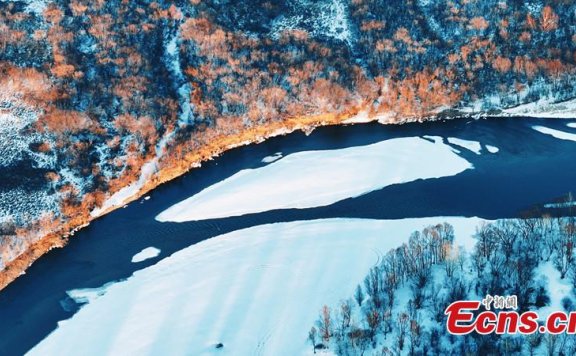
256	291
571	124
172	59
70	176
360	118
556	287
334	21
15	139
331	19
33	6
473	146
146	254
123	195
555	133
318	178
363	117
545	108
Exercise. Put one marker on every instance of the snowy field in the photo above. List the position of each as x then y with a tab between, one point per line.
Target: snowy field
545	109
318	178
256	291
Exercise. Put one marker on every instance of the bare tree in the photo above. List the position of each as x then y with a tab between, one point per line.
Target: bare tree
325	323
403	322
451	259
415	336
373	285
564	246
345	314
359	295
312	335
373	320
551	343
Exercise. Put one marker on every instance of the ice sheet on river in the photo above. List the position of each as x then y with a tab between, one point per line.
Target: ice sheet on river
319	178
256	291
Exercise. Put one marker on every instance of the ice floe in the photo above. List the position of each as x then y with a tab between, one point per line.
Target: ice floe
473	146
319	178
492	149
145	254
269	159
556	133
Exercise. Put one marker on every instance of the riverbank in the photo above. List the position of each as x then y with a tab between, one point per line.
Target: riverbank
223	143
176	168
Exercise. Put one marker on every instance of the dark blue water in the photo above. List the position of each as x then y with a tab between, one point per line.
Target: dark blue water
530	170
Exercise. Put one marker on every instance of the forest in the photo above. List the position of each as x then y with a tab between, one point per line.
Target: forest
399	308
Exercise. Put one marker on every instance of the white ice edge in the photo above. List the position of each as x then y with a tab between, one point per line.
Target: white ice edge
88	295
567	204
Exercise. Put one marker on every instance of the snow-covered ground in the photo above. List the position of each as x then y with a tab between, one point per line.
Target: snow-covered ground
556	133
23	203
33	6
318	178
123	195
15	144
145	254
473	146
148	170
545	109
361	118
364	117
331	19
556	287
256	291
